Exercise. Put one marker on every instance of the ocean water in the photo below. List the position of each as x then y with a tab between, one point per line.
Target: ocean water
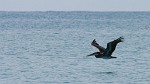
51	47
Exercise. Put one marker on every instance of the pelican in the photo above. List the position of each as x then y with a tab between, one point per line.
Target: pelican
105	53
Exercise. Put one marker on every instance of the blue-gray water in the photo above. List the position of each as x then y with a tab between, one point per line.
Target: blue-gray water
51	47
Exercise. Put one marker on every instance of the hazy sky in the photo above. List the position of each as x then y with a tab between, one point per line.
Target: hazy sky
74	5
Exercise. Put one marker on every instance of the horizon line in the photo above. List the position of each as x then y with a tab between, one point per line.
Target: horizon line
70	11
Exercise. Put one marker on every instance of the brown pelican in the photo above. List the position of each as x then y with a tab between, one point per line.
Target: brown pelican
106	53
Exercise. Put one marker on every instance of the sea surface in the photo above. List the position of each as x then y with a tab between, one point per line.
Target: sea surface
51	47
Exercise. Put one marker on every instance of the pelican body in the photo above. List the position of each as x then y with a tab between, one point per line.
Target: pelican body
106	53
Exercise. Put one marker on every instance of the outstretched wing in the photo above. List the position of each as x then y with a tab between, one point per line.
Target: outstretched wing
100	48
111	46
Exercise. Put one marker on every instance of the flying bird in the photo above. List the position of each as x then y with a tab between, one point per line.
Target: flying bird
106	53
